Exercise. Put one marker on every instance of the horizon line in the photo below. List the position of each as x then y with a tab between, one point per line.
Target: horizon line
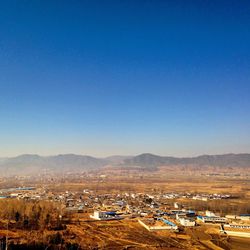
121	155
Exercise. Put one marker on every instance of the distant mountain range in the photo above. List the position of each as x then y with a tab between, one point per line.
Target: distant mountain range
28	164
226	160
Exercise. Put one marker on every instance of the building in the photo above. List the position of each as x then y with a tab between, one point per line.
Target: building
158	224
239	230
176	205
183	213
212	219
242	217
210	214
98	215
187	222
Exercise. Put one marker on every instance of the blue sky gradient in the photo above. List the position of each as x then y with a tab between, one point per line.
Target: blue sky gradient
124	77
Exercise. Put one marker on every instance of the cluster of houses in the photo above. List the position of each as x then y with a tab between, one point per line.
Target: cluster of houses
153	211
175	220
28	193
199	196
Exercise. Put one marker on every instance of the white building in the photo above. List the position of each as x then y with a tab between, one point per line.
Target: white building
176	205
99	215
210	214
212	219
187	222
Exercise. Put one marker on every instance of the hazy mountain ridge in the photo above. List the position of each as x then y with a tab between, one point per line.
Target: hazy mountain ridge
225	160
27	164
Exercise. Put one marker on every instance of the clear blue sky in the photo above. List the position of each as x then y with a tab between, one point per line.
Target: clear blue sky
124	77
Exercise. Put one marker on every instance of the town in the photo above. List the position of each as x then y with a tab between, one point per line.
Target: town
152	210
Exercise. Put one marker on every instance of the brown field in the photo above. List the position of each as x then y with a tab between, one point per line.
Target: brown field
130	235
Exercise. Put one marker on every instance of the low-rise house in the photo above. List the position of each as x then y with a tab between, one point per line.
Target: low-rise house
240	230
187	222
212	219
100	215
